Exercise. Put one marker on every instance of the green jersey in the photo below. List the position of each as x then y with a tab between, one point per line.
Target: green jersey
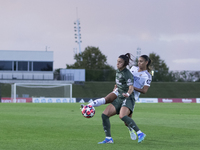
123	79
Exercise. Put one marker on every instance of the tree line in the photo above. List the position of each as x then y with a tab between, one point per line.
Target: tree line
97	68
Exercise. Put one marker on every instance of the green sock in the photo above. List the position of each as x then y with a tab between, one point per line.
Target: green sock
130	123
106	125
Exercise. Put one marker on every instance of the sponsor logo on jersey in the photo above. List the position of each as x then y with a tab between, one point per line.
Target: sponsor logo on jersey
117	82
136	78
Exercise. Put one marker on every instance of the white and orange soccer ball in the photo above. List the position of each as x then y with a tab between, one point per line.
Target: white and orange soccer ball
88	111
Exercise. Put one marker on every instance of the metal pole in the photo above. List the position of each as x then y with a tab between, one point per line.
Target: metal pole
14	100
71	92
0	92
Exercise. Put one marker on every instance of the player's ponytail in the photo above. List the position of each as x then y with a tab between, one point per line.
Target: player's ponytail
149	62
126	58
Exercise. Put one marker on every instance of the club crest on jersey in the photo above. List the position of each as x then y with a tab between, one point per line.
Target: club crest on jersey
140	75
148	82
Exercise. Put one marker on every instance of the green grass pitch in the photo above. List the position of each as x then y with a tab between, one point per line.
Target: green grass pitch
31	126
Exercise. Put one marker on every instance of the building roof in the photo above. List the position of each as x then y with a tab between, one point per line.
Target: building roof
16	55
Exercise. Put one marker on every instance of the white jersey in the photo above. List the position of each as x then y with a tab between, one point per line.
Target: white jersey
141	79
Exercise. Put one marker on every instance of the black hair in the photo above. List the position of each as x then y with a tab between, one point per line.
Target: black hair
149	62
126	58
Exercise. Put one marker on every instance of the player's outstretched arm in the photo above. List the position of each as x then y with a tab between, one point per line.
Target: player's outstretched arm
143	90
130	91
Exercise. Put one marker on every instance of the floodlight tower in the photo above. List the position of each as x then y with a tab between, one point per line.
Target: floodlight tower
77	30
138	53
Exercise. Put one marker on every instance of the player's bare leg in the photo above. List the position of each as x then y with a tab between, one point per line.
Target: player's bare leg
110	98
105	100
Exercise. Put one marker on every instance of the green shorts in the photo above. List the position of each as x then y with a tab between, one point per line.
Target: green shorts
126	102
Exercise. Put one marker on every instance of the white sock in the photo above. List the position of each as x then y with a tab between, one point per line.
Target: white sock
108	137
139	132
98	102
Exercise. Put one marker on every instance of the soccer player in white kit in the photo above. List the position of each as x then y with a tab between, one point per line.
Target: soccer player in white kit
142	81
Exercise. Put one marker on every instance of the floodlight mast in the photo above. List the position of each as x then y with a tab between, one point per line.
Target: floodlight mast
138	52
77	30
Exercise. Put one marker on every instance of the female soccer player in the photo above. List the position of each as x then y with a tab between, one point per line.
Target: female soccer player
142	76
125	101
142	80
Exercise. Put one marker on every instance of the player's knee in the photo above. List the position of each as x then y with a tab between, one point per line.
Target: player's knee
103	116
121	116
105	112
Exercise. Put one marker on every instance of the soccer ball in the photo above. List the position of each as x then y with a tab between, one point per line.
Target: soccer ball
88	111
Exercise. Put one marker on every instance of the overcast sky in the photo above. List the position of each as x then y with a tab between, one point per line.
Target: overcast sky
169	28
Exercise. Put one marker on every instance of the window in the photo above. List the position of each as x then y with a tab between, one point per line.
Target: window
42	66
6	65
22	66
15	65
26	66
30	65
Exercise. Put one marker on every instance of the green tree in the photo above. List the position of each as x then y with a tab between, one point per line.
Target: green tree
90	58
187	76
135	61
95	64
161	71
157	63
56	74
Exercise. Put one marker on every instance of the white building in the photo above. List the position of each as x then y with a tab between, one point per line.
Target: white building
26	65
76	75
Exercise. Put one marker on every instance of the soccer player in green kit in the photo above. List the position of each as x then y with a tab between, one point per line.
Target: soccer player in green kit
124	104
